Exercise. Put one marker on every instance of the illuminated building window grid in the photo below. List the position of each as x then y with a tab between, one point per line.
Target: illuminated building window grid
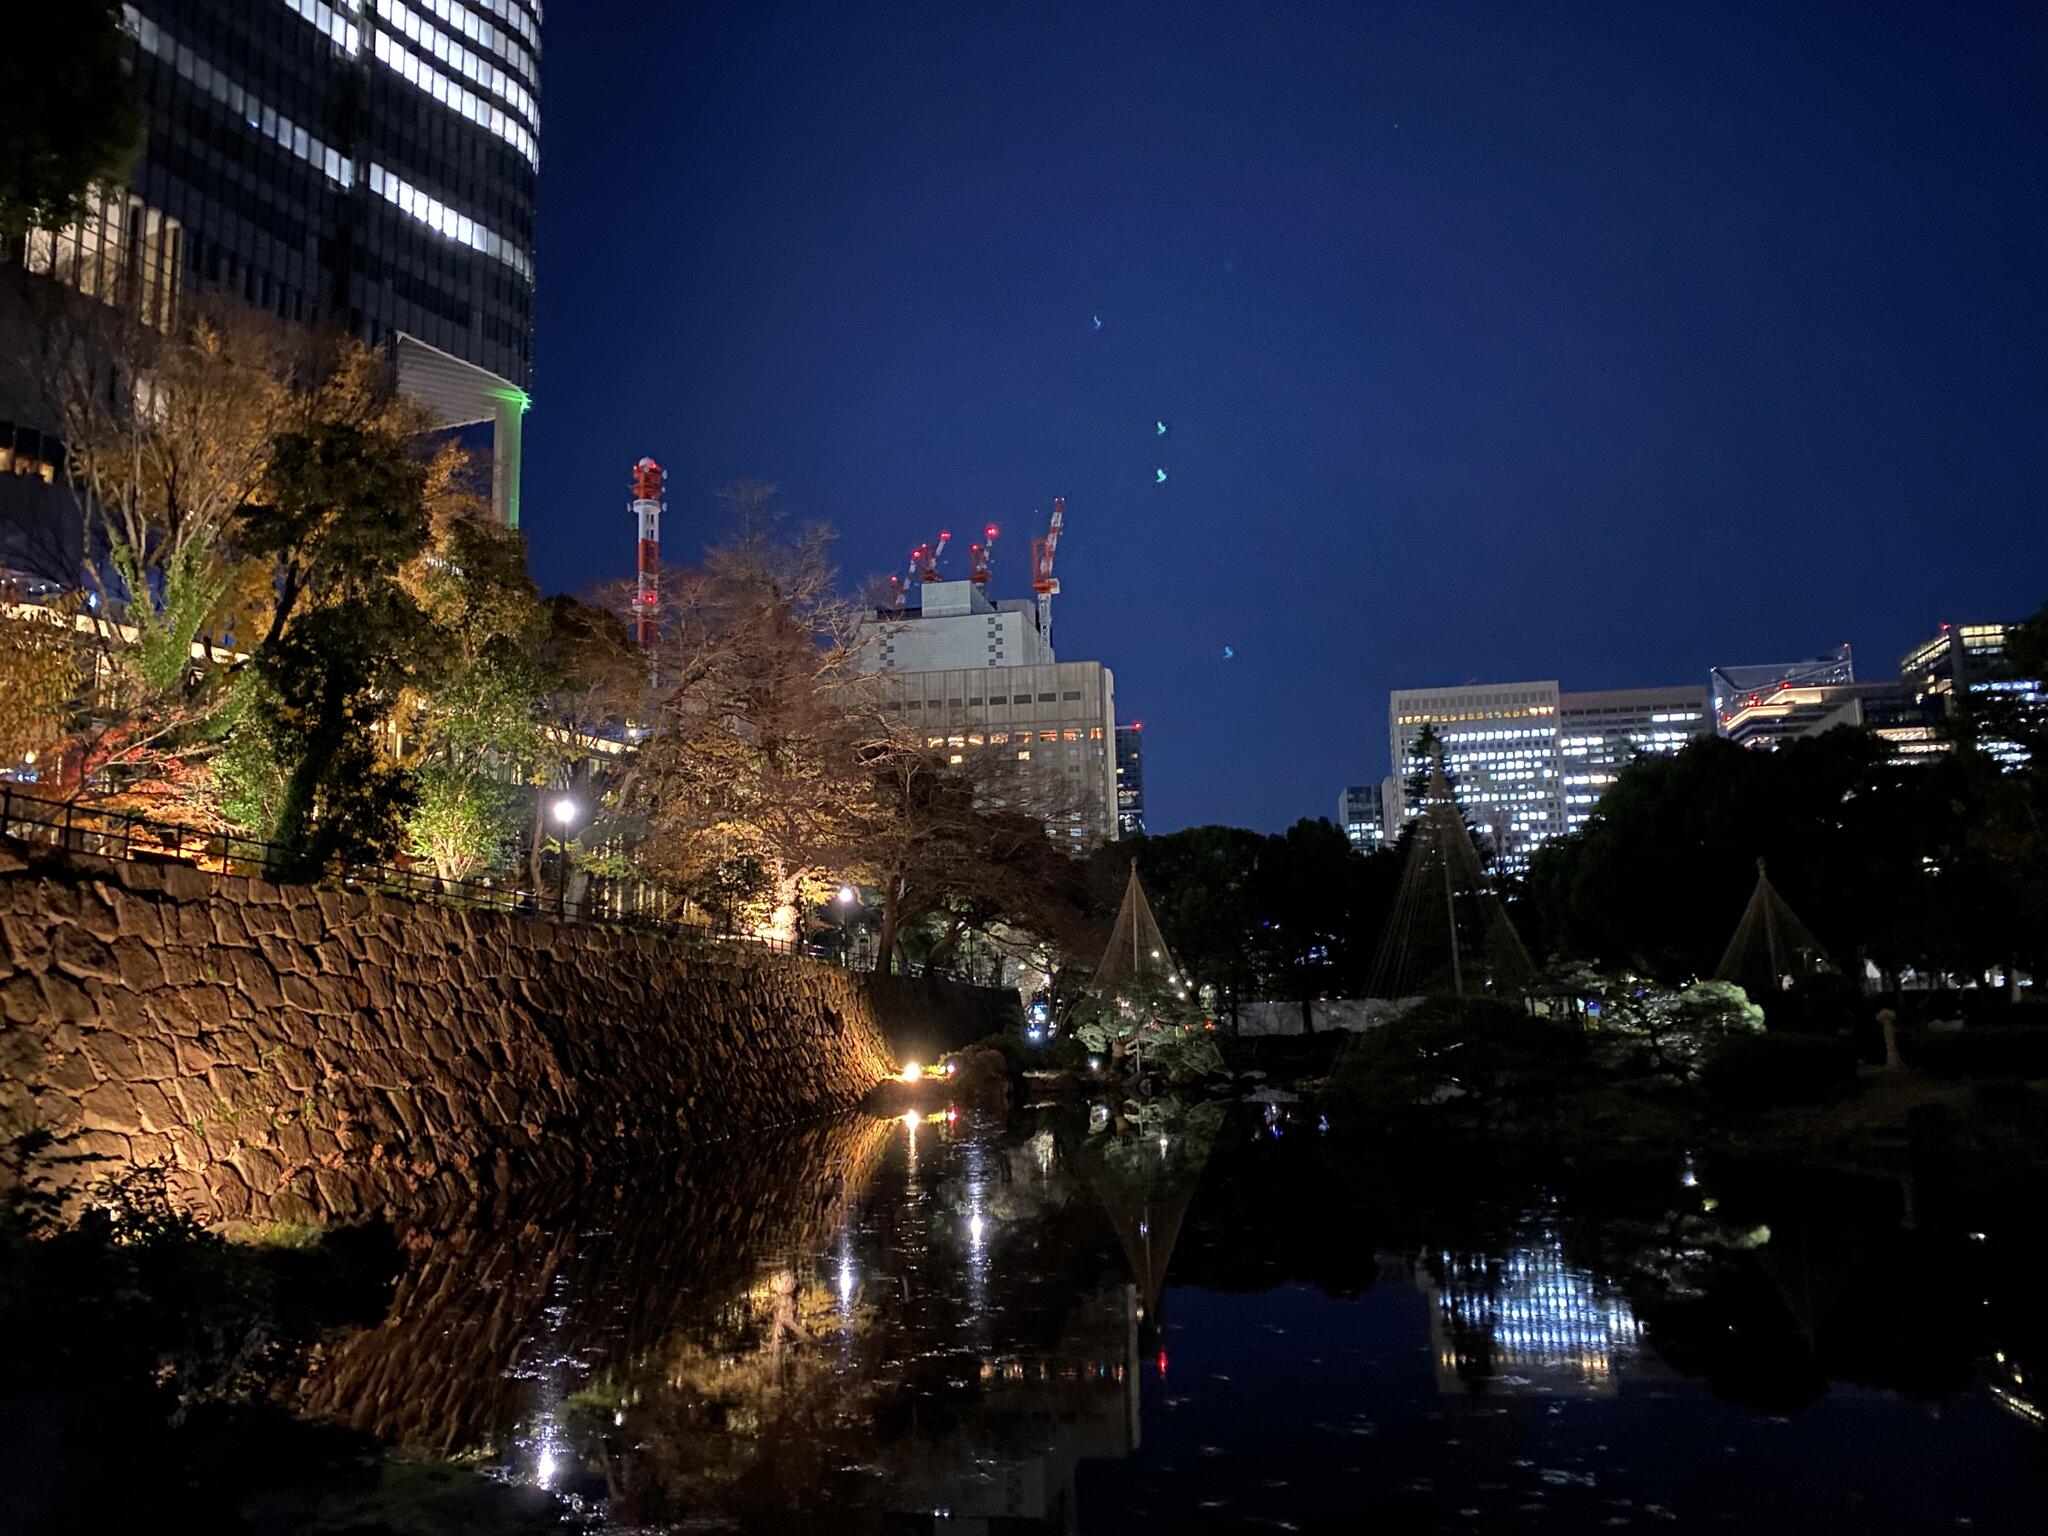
266	120
337	28
438	216
451	93
461	19
423	34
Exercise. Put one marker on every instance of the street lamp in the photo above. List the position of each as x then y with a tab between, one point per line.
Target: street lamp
848	896
564	811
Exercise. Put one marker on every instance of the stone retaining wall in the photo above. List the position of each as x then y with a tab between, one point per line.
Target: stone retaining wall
303	1053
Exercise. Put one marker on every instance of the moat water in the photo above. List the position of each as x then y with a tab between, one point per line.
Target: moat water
1244	1320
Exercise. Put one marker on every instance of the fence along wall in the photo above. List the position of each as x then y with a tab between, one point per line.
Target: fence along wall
300	1053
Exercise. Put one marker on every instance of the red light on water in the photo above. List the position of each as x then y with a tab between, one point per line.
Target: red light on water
1162	1364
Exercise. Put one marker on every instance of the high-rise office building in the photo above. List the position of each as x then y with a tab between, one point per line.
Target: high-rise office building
1499	746
971	675
1966	662
1130	781
1054	724
1600	733
368	164
1362	813
1763	718
1732	689
1529	761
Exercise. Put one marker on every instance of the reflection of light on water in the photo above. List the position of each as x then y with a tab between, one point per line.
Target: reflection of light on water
544	1474
975	1227
1536	1314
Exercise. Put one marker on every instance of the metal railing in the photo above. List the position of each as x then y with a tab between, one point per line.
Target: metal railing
134	836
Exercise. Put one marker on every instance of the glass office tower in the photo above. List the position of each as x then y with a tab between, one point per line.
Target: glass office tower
370	164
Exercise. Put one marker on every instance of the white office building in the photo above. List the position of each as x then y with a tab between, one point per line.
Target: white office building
970	676
1529	761
1600	733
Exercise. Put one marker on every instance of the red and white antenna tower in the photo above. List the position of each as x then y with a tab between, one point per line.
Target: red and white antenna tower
647	507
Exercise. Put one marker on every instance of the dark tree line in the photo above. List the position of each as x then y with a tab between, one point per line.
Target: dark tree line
1938	865
1293	915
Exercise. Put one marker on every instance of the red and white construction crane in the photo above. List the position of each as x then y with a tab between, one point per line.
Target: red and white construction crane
928	555
1043	582
647	507
982	555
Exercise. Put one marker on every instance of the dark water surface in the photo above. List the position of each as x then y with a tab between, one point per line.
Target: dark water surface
969	1325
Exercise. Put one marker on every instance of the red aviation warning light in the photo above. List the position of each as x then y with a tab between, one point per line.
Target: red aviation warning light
647	507
928	555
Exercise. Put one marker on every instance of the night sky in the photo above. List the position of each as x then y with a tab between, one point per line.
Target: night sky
1601	343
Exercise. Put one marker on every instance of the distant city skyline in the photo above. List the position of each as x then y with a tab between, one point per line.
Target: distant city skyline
1605	346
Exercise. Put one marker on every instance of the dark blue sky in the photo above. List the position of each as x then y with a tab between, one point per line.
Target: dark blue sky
1601	343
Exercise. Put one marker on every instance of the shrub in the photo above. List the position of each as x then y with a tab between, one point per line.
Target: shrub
1761	1071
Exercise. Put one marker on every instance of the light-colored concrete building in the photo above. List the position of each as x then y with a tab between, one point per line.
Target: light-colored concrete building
958	626
971	676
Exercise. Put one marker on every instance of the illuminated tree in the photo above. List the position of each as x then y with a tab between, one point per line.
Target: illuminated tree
761	734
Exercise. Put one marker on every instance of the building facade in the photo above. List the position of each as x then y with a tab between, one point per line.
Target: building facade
1528	761
970	675
958	626
1130	781
1499	746
370	166
1362	813
1733	689
1055	726
1600	733
1964	670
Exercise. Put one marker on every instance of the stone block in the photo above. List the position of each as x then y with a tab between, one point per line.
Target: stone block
140	969
302	994
184	967
25	940
65	999
157	1112
255	980
77	953
159	1060
228	926
309	924
21	1001
111	1107
184	883
72	1073
283	952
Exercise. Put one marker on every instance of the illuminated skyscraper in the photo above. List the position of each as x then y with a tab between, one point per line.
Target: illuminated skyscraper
1601	733
1499	745
1362	813
1130	781
370	164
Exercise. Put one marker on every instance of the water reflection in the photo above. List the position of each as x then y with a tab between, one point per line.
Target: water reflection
919	1322
1526	1321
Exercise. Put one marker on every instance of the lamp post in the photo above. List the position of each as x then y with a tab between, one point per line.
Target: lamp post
564	811
848	897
